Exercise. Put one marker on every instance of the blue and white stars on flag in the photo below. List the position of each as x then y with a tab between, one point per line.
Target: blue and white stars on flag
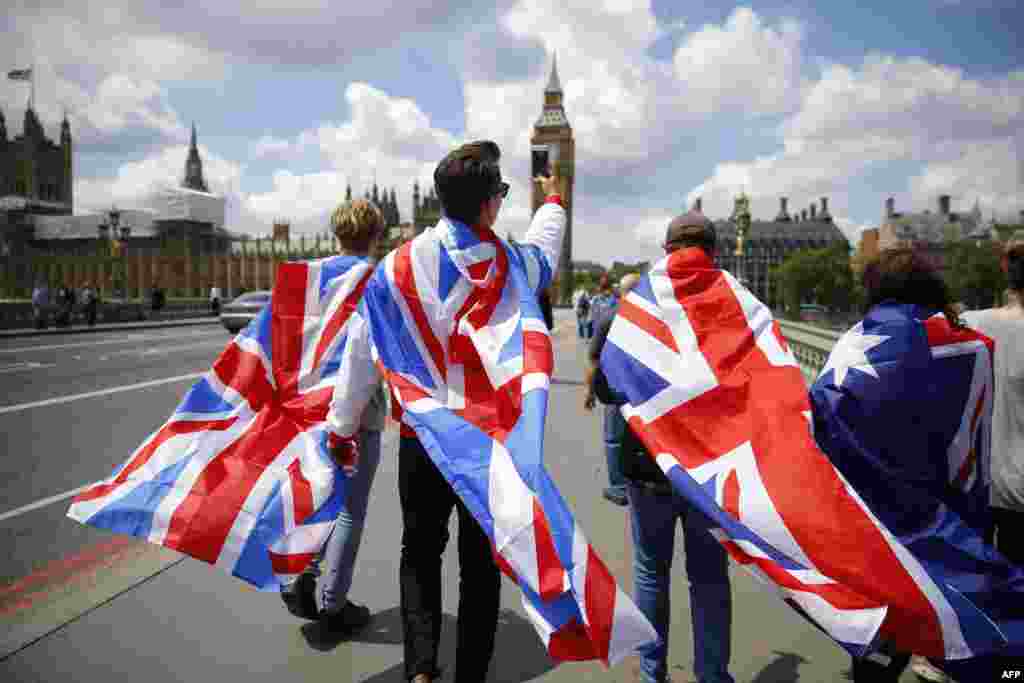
908	424
718	399
239	475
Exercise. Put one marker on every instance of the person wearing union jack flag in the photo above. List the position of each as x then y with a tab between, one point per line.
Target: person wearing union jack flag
416	325
359	226
656	509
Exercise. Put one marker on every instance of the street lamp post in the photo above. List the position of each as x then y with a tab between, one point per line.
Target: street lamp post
126	232
741	216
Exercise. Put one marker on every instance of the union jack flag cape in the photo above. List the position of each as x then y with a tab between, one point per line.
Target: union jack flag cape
718	399
453	324
239	476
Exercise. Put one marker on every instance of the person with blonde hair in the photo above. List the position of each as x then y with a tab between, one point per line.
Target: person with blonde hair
359	226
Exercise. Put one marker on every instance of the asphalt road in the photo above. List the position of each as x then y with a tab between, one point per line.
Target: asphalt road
79	604
52	449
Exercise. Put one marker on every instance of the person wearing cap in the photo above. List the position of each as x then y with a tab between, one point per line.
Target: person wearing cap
655	510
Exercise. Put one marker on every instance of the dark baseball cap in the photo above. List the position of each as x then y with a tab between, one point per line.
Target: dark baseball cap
692	227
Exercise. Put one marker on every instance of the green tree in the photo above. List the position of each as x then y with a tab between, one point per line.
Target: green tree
1006	230
795	279
620	269
818	276
973	273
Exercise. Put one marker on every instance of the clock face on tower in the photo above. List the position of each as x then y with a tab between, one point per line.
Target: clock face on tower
553	147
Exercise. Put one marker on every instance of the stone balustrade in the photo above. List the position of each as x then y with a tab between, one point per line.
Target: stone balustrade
810	344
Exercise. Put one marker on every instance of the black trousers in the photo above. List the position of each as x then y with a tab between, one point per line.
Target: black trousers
1009	537
427	501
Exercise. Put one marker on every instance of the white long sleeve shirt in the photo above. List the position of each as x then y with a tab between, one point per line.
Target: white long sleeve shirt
358	375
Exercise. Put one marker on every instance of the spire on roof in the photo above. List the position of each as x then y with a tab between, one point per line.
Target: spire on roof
554	85
194	167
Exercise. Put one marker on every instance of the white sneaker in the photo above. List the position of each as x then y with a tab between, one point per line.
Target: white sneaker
926	672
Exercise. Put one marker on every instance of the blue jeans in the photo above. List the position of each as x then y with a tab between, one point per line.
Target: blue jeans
707	568
584	328
343	545
614	431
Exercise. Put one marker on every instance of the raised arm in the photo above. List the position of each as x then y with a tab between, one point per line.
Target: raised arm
542	245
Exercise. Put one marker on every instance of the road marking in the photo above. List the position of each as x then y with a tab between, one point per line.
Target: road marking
42	503
127	340
100	392
25	365
167	349
387	439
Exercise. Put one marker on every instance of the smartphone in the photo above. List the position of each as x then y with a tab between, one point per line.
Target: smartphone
541	161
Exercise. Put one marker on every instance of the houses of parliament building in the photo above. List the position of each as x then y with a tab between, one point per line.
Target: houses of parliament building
35	168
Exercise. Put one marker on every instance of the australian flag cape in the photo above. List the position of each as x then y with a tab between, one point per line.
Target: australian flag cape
239	475
903	409
478	405
719	401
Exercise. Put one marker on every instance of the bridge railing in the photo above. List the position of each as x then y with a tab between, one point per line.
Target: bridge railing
811	345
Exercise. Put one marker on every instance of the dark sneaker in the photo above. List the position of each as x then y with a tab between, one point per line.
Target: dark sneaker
300	597
616	497
348	619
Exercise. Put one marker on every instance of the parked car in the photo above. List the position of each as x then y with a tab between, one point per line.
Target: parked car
813	313
242	310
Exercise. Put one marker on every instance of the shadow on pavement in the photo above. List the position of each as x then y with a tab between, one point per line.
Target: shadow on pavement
783	669
519	655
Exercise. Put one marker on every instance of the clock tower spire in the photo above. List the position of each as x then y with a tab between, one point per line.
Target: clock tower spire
553	134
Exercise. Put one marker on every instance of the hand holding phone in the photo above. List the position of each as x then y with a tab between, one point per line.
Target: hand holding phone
541	161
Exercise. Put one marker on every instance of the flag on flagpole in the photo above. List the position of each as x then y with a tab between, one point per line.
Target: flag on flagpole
239	475
20	74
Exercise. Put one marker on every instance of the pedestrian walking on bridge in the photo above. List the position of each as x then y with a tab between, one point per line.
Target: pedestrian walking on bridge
473	267
1005	325
655	509
40	302
90	304
358	225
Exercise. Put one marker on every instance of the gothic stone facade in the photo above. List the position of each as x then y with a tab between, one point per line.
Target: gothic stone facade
768	243
552	130
33	167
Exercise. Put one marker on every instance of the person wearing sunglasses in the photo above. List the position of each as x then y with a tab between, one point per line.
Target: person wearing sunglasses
448	279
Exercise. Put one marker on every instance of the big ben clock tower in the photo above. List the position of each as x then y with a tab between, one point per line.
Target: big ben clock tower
553	135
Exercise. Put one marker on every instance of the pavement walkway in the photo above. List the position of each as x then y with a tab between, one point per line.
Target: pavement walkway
130	611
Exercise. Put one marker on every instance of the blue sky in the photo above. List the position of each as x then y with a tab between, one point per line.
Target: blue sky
668	100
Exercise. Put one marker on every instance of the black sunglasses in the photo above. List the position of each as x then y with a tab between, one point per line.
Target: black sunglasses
502	190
